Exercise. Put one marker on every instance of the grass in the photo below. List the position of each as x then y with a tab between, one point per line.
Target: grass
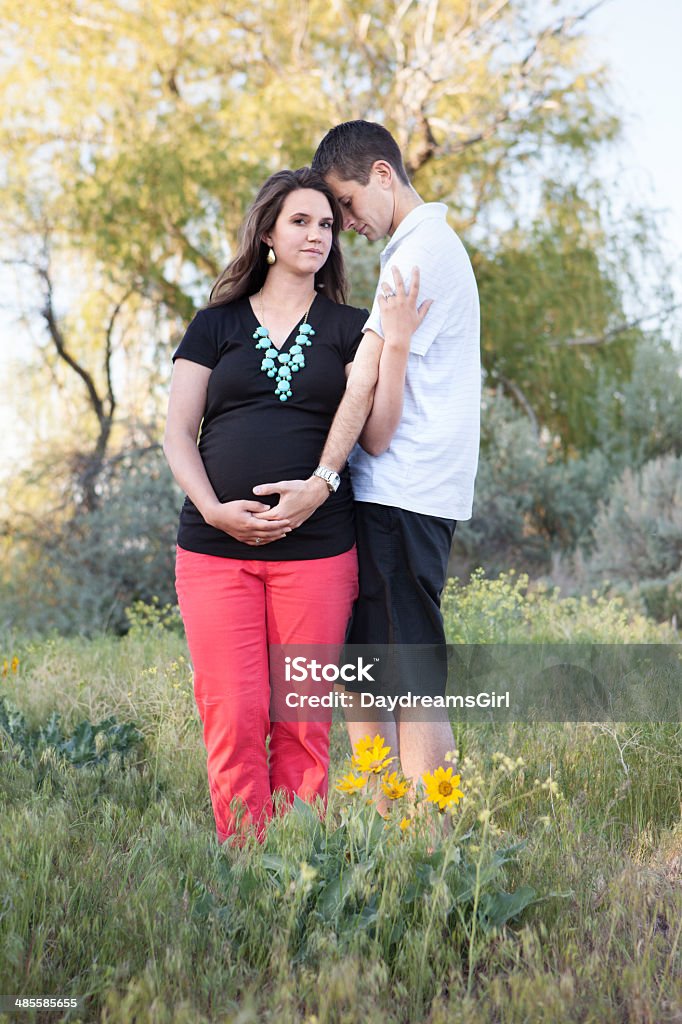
113	886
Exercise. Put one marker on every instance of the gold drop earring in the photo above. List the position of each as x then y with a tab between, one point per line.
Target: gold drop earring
271	258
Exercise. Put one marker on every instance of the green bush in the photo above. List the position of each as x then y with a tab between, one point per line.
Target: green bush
79	575
509	610
638	533
641	420
662	599
530	501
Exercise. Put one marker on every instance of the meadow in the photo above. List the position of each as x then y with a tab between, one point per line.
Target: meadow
555	897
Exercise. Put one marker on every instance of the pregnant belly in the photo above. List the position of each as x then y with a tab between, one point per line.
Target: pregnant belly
235	464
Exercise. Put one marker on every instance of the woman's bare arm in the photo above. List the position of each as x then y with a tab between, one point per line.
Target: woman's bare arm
185	412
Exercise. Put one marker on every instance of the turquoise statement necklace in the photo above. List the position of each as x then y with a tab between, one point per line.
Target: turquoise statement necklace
283	364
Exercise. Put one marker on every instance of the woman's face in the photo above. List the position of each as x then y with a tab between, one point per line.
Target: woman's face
302	235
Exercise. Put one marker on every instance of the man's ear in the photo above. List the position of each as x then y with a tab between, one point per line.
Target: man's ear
384	172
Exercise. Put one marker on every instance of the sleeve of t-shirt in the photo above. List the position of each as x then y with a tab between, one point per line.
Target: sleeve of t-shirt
431	286
198	343
352	335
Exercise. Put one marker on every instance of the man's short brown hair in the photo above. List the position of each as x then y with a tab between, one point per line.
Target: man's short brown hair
350	150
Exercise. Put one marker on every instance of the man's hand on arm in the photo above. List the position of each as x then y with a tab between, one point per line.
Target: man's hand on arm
300	498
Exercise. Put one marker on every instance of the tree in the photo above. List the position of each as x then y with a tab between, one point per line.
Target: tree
136	134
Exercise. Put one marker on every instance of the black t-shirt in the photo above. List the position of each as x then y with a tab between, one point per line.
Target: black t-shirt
249	437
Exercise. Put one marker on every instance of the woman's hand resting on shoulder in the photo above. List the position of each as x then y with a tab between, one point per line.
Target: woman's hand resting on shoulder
238	519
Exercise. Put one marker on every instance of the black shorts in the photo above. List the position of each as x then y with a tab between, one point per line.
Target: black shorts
402	560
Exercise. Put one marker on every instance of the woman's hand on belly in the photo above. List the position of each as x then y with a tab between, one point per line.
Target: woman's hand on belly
239	520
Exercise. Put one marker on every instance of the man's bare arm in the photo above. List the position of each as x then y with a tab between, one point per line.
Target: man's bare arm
356	403
400	318
300	498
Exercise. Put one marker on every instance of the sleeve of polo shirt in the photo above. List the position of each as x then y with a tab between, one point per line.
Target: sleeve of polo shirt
352	335
198	344
442	271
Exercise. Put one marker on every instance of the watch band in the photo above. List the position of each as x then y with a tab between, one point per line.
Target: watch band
330	477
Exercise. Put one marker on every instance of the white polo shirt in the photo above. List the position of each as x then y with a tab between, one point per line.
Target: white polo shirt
430	465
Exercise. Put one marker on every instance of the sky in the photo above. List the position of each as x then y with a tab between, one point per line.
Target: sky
640	42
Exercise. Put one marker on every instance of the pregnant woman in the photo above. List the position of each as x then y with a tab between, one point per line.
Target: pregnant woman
257	378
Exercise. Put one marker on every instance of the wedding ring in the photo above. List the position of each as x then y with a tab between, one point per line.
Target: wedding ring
257	541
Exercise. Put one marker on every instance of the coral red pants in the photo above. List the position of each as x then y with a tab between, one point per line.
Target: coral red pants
232	610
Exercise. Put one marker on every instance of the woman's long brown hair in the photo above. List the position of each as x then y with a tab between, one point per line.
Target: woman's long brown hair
245	274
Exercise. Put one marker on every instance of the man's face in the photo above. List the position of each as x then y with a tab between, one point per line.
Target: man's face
367	209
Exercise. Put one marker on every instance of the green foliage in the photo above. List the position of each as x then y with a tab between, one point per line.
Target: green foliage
530	500
135	185
638	533
82	573
543	291
145	616
662	599
641	419
124	863
86	745
343	887
509	610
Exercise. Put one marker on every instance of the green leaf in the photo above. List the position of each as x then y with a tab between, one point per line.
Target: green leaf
305	812
271	862
248	883
333	896
201	901
496	908
80	749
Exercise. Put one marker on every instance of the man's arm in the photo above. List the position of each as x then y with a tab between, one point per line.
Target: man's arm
300	498
400	318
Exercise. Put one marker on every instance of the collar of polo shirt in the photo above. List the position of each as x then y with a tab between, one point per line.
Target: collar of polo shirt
425	211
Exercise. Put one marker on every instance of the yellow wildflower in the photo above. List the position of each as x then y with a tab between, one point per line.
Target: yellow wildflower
350	783
15	663
372	758
441	787
366	742
405	823
5	667
393	786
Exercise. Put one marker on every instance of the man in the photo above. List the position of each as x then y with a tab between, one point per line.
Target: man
413	399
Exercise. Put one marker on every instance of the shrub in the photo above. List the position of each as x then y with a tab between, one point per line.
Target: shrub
530	501
641	420
662	599
79	575
638	533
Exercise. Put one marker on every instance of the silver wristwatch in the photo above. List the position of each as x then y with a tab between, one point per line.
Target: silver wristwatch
331	478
